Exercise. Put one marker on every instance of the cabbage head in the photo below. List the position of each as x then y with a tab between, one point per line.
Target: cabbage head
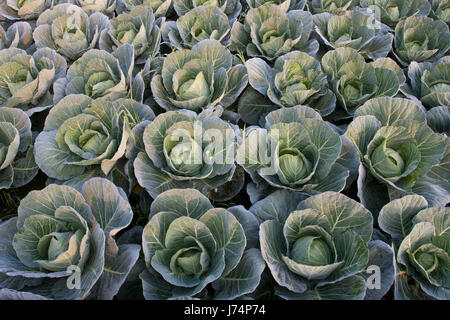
23	10
297	151
400	152
421	236
286	5
270	32
160	7
232	8
204	22
331	6
17	165
430	82
26	80
295	79
90	6
18	35
182	150
354	81
81	134
137	27
60	230
420	39
188	244
320	248
68	30
392	11
354	29
199	78
98	73
440	10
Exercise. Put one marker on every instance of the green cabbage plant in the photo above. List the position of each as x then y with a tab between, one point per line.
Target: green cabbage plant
420	39
392	11
17	165
286	5
295	79
26	80
270	32
160	7
98	73
321	249
440	10
354	29
354	81
204	22
298	151
421	235
90	6
331	6
68	30
24	10
18	35
232	8
188	244
138	27
182	150
81	134
400	154
429	82
61	234
199	78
